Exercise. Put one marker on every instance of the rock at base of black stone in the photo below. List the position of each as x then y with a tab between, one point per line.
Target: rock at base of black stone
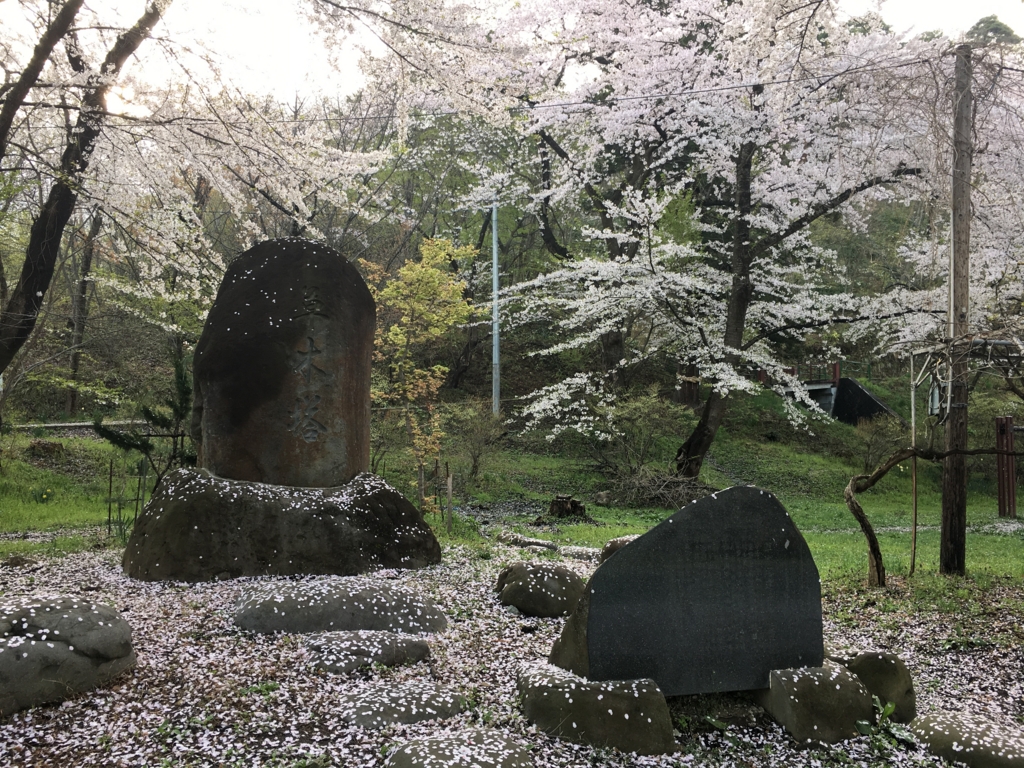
476	747
407	703
971	739
817	704
887	677
198	527
570	648
629	715
539	589
614	545
55	648
336	605
348	651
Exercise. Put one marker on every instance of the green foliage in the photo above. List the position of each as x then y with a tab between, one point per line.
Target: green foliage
882	436
168	425
990	30
475	432
42	495
416	308
264	689
75	485
644	429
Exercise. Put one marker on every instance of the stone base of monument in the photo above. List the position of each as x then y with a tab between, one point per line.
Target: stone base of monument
388	703
972	739
887	677
479	747
342	652
817	704
629	715
198	527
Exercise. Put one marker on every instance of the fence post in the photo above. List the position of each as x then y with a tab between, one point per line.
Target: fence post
1006	467
110	497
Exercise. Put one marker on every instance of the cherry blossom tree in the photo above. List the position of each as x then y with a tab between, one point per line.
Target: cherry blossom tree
761	117
82	84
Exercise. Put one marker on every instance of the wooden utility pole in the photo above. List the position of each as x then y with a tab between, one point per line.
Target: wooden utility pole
952	551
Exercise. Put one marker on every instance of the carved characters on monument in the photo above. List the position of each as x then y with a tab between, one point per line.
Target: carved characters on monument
282	371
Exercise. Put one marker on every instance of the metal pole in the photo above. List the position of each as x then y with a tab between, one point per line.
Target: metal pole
496	347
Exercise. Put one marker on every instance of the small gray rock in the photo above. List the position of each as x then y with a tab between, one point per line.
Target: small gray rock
471	748
348	651
51	649
629	715
887	677
817	704
336	605
518	540
412	702
971	739
842	654
539	589
587	554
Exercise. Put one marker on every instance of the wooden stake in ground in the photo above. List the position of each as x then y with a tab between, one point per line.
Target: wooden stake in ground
953	547
1006	467
448	482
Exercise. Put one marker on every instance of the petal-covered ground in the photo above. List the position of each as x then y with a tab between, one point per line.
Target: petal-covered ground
206	693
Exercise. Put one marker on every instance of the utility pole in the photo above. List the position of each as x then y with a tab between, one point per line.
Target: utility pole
496	346
953	547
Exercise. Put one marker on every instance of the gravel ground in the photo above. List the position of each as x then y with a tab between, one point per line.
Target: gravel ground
207	694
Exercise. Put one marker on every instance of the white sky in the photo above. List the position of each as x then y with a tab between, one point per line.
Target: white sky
266	46
951	16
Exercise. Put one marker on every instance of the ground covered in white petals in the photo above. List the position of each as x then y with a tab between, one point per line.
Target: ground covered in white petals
206	693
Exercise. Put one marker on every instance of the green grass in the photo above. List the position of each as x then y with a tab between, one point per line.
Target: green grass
56	547
808	474
67	502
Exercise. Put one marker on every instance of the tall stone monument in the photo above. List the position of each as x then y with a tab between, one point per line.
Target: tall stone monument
281	419
282	369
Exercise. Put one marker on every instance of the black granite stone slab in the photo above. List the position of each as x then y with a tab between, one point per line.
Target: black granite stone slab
712	599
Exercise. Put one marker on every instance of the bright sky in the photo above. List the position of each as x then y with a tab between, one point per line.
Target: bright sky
951	16
267	45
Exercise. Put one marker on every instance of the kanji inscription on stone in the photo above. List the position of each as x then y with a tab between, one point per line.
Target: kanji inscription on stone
282	369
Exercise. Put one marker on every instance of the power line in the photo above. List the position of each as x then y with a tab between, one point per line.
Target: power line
532	107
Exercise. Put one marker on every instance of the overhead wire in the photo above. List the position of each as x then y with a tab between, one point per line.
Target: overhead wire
588	104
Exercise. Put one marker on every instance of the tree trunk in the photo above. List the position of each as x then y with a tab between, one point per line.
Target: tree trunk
80	311
688	385
613	350
690	456
15	97
953	545
876	567
22	309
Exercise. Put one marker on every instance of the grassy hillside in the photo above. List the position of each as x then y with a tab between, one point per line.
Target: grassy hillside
59	502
